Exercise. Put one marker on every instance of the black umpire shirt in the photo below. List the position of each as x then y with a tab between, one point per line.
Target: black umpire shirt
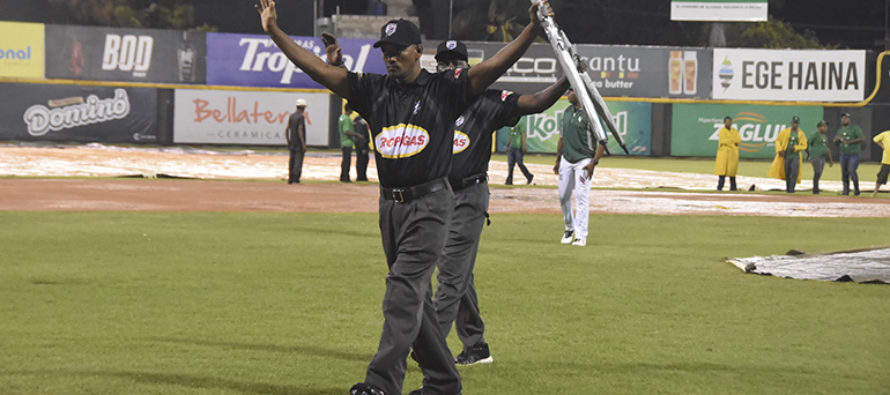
491	110
411	123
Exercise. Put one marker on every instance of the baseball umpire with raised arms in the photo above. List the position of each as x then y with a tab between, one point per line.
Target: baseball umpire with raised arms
456	299
411	114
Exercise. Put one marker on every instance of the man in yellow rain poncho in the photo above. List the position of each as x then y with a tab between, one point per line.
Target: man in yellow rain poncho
727	154
787	164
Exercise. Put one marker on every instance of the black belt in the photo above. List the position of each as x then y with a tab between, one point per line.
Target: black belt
469	181
404	194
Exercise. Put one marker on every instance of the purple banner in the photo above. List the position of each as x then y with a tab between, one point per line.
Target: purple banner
254	60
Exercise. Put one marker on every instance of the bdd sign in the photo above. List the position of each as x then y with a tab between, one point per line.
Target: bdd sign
128	53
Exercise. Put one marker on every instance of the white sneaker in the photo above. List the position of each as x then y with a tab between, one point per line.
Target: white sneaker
568	237
580	242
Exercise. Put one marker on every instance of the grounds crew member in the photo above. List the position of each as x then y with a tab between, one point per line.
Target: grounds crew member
348	138
411	114
456	299
516	149
577	154
295	134
362	149
817	152
883	141
789	144
727	154
850	137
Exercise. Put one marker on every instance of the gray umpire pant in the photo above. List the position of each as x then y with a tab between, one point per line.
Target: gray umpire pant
413	236
456	300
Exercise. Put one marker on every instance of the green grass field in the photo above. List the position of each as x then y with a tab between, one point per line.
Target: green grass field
235	303
747	167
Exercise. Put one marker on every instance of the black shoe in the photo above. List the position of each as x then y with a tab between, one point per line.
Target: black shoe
568	237
508	183
532	177
475	355
856	193
365	389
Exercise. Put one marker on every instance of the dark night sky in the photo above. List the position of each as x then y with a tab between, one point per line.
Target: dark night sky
851	23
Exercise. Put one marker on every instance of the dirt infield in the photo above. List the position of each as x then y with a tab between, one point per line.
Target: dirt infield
260	189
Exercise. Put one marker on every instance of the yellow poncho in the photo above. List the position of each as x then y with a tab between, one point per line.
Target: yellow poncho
728	152
777	169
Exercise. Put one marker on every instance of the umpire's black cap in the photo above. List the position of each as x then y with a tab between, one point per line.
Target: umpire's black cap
399	32
451	49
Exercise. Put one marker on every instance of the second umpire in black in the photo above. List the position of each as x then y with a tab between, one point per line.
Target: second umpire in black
410	113
456	299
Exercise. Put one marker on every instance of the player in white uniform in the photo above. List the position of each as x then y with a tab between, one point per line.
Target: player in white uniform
577	156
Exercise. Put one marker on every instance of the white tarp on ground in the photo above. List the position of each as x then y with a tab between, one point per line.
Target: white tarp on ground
862	266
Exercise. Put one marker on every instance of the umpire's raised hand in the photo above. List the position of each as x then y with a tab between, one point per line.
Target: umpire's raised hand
268	14
332	49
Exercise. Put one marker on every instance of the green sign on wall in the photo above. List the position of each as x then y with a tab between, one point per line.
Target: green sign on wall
634	122
694	127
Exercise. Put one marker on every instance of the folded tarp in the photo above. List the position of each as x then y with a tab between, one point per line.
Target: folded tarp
870	265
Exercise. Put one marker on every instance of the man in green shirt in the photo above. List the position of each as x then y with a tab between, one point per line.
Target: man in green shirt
516	150
577	154
346	135
817	152
850	137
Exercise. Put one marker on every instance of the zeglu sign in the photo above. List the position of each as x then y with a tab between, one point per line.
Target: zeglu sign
694	127
789	75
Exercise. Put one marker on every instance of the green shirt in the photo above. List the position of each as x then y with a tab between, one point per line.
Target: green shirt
818	144
516	133
576	144
345	126
851	132
792	141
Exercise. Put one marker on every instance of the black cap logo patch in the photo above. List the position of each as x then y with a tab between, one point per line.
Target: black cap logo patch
451	44
391	29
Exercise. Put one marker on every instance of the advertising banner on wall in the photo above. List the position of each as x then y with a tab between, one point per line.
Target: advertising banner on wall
21	50
112	54
245	118
719	10
617	71
254	60
32	112
694	127
624	71
634	122
789	75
